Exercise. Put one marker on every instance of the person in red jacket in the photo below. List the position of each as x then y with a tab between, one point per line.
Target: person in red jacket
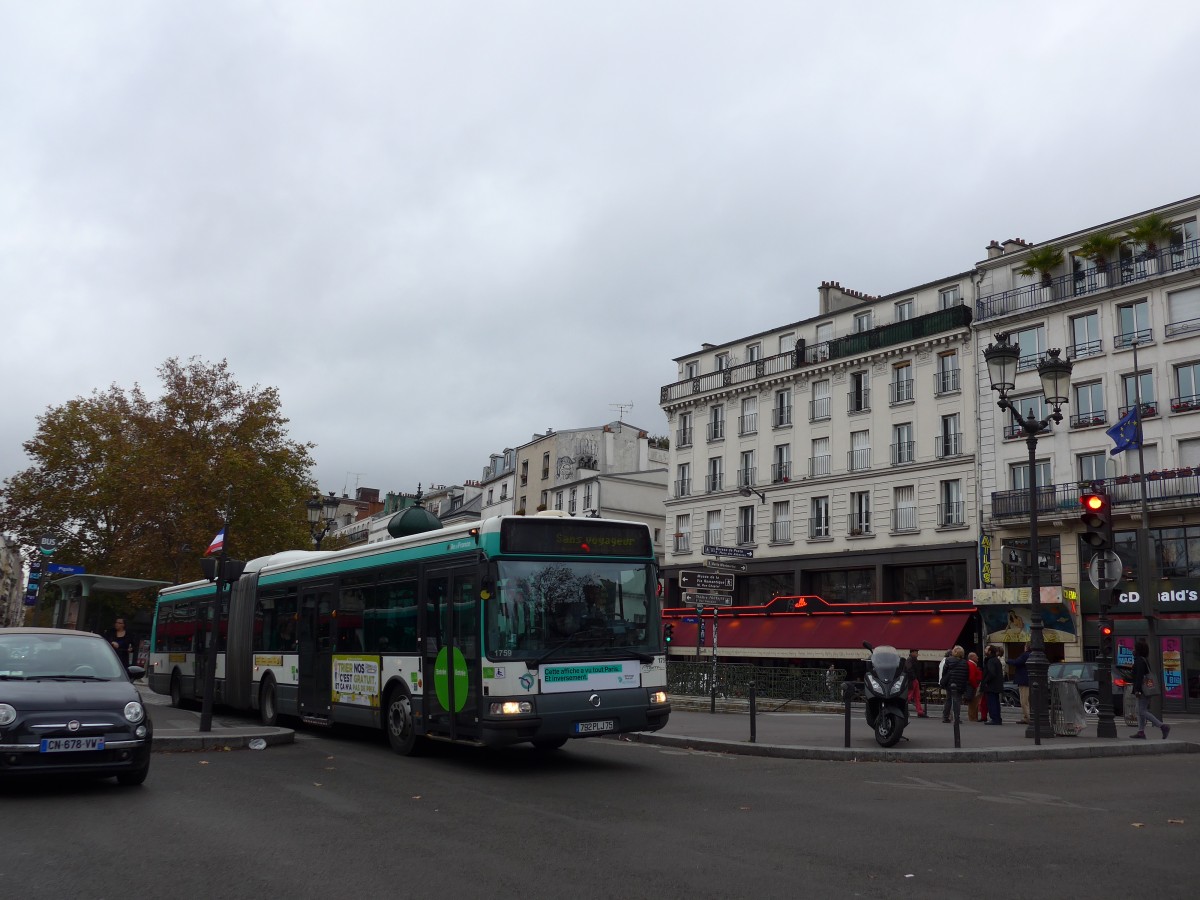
911	667
976	680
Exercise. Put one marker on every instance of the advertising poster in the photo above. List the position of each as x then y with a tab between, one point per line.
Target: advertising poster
356	680
1172	667
1125	651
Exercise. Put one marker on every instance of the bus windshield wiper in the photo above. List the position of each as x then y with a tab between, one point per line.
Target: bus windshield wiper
624	652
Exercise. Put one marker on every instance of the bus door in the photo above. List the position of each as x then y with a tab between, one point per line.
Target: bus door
314	649
450	652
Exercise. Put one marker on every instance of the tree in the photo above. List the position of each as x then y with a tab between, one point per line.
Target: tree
137	486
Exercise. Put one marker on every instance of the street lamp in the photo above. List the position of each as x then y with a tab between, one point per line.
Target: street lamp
749	492
322	512
1002	359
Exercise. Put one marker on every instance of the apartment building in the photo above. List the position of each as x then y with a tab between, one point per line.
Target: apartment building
833	456
1126	311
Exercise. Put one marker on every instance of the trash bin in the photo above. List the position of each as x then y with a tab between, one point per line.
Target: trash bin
1129	707
1067	715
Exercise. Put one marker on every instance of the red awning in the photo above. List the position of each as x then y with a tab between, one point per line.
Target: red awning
841	635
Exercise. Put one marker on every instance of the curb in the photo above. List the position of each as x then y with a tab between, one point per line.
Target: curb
221	740
852	754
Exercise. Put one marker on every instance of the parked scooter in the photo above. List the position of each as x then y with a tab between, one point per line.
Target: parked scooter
885	688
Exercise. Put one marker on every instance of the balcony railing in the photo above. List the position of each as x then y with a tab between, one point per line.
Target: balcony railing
904	518
858	401
683	487
858	523
782	416
748	424
713	483
781	472
900	391
818	528
745	477
1183	327
1085	349
683	437
1088	419
716	430
858	460
904	452
946	381
745	534
951	514
1173	258
819	465
1167	487
1142	336
948	445
1185	404
1149	409
683	543
818	410
781	532
712	536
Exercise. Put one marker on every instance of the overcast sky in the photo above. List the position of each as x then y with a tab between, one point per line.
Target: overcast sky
440	227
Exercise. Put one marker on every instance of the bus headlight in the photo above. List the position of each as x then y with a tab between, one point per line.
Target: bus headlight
511	708
657	697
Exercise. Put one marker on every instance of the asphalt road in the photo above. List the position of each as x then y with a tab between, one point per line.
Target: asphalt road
338	815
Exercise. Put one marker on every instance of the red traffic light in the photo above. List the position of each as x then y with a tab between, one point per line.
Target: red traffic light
1093	502
1106	630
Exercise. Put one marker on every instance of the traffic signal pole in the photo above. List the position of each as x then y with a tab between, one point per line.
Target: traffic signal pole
1098	534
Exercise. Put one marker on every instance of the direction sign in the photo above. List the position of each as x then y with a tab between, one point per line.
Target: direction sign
742	552
702	600
1112	570
717	582
56	569
726	566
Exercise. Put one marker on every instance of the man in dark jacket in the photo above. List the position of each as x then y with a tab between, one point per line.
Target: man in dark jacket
956	678
1020	666
993	684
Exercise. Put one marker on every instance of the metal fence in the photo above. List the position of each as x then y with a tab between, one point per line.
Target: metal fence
770	682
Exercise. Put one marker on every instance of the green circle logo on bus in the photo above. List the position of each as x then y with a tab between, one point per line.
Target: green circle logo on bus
441	680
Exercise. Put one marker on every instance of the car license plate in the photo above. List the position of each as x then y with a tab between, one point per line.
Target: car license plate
71	745
594	727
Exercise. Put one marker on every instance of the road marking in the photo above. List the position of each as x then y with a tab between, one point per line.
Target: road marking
1022	798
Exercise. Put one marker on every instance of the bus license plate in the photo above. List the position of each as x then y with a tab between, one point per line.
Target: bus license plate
71	745
594	727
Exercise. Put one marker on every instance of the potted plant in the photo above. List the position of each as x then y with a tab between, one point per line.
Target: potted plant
1097	249
1150	231
1042	262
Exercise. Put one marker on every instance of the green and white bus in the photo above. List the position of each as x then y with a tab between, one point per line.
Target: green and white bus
515	629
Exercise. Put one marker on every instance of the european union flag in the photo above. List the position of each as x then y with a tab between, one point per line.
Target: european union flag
1125	433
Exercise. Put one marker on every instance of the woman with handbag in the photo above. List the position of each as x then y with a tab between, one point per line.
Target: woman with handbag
1145	686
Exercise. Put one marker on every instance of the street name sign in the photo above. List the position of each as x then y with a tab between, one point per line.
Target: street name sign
702	600
726	566
56	569
717	582
712	550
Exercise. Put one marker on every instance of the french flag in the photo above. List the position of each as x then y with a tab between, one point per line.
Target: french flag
217	545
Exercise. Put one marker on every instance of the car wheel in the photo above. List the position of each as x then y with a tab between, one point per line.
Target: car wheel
268	708
1091	704
134	778
399	724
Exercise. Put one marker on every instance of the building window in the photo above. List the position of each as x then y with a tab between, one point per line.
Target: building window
819	405
1141	383
860	512
745	475
1085	336
1133	324
572	502
503	492
522	506
781	522
819	463
524	471
1183	310
1019	475
558	499
545	466
1015	555
1032	343
1029	405
683	437
489	499
818	517
904	449
947	376
1089	405
950	441
587	496
753	352
948	297
787	342
722	360
860	451
783	408
745	531
748	421
714	474
683	480
862	322
712	529
859	398
716	423
901	388
683	533
904	508
1091	466
904	310
691	369
781	467
952	509
1187	388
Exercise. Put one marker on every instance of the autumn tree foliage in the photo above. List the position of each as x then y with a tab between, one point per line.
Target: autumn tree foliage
136	486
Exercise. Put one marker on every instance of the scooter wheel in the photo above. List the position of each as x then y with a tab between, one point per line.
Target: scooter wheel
888	730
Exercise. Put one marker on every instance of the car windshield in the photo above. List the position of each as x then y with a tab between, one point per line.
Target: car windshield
82	657
581	608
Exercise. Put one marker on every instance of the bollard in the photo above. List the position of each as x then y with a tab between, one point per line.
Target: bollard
753	714
712	698
954	705
847	690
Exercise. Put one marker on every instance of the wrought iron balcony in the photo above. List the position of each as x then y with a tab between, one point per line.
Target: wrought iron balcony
818	410
947	381
1166	487
948	445
904	453
900	391
782	416
781	532
904	519
1089	419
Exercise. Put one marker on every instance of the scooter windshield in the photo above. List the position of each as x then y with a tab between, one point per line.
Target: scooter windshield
885	661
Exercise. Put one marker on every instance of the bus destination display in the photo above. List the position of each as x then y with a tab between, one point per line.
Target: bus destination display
574	536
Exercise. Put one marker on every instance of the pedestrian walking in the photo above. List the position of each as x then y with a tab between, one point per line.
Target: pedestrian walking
975	693
1021	677
955	681
993	685
941	678
831	681
912	669
1145	686
121	641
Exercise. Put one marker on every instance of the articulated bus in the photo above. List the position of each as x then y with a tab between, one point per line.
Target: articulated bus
515	629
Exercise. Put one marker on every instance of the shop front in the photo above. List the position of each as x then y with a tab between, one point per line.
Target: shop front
1174	622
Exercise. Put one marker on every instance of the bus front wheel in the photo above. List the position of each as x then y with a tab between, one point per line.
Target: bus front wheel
268	708
400	725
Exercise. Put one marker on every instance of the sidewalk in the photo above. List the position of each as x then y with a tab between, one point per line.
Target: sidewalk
821	735
179	729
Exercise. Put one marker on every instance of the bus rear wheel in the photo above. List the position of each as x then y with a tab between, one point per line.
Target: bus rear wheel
268	707
400	726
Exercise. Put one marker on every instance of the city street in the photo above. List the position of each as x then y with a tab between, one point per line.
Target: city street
340	815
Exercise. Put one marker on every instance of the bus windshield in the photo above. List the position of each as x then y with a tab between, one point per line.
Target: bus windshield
581	608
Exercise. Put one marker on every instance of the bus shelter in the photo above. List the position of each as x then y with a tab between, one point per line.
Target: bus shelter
75	591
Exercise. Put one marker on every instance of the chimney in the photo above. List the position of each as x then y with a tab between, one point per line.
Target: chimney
994	250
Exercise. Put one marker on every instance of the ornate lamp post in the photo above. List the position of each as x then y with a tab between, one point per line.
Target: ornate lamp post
1002	359
322	513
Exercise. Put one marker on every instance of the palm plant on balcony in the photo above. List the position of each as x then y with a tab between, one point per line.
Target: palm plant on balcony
1042	262
1150	231
1098	249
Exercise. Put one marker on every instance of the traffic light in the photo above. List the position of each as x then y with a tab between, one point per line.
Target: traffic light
1106	638
668	632
1097	520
